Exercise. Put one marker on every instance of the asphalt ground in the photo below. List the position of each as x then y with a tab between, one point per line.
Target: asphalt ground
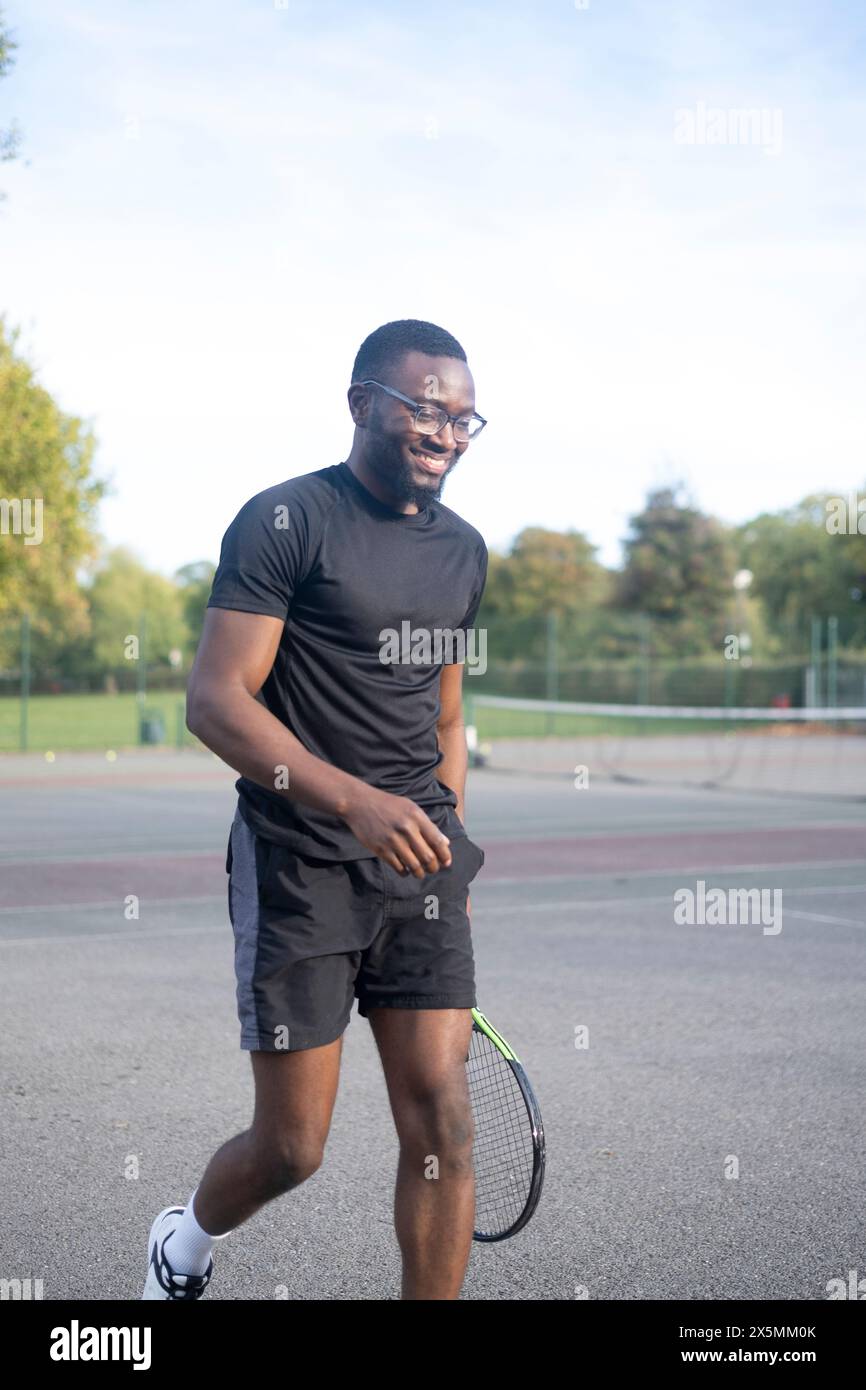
712	1049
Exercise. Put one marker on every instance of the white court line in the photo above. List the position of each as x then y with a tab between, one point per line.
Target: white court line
819	917
785	866
793	892
477	910
533	909
112	855
106	904
79	937
113	904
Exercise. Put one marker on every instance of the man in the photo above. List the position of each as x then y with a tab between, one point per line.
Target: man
329	675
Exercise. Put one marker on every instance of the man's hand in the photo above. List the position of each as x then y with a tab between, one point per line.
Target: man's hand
468	908
397	830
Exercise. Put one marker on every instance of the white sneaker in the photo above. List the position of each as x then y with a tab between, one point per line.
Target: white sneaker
162	1281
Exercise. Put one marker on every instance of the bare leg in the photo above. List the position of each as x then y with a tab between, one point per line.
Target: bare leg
423	1054
295	1094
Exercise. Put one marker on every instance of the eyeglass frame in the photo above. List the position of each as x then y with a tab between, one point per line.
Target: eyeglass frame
428	405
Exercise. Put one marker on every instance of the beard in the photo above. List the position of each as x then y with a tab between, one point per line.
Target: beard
387	459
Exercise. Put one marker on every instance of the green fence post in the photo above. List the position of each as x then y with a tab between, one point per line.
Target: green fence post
729	682
552	683
25	681
141	693
832	662
816	661
643	676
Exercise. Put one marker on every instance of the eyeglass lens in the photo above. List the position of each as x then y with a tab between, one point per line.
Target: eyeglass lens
429	420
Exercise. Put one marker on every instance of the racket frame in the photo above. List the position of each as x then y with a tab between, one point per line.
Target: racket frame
480	1024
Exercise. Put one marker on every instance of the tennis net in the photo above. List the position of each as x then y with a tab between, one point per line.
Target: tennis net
809	751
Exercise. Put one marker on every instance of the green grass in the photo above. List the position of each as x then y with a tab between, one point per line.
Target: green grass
58	722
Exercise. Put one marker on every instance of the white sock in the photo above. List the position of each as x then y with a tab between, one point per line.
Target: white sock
188	1248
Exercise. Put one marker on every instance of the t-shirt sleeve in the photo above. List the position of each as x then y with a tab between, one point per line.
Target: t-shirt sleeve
262	557
452	655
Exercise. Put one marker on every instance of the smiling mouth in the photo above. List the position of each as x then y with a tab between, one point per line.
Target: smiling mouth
431	463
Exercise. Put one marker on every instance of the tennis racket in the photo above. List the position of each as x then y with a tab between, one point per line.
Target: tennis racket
509	1135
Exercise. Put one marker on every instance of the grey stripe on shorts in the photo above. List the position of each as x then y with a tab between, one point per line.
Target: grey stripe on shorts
244	904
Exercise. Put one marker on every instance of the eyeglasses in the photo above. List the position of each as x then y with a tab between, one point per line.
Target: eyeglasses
430	419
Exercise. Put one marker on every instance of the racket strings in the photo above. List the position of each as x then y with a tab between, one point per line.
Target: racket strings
503	1153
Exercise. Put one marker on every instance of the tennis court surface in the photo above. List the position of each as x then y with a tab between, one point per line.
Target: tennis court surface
714	1048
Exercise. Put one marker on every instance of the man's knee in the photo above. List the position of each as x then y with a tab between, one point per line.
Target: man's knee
437	1120
285	1164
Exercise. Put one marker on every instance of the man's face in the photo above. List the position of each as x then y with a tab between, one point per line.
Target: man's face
414	466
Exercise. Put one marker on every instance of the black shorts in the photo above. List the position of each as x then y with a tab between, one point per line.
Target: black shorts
311	935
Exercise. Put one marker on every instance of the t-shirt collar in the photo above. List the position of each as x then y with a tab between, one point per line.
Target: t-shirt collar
381	509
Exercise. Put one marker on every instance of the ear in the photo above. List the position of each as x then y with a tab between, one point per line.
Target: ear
360	404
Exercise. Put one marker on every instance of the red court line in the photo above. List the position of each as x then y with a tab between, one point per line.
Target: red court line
31	883
703	849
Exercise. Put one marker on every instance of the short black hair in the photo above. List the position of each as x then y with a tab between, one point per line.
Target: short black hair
385	346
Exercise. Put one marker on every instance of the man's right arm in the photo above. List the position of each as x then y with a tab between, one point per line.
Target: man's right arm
234	659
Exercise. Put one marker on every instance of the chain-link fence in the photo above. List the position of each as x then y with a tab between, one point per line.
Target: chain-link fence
54	697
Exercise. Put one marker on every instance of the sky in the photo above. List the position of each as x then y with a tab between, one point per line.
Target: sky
218	201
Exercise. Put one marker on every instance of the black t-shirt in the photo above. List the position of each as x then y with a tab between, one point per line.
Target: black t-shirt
353	680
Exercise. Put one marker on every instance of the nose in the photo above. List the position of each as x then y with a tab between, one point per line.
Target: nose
448	442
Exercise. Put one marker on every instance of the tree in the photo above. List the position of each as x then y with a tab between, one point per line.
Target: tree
679	569
195	581
802	569
9	139
553	572
122	592
544	572
48	501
